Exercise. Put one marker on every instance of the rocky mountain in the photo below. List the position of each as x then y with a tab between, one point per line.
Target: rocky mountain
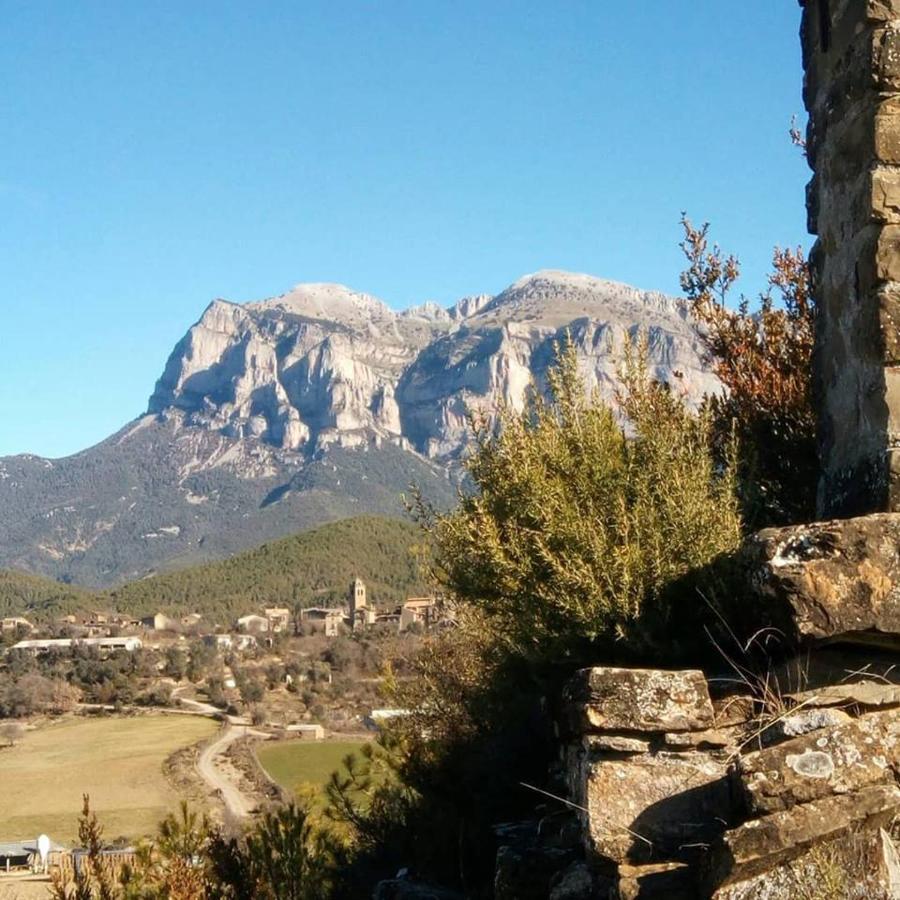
314	405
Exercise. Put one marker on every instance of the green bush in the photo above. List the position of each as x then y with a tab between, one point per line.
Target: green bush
574	528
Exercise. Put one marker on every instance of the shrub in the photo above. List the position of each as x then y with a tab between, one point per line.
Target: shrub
574	530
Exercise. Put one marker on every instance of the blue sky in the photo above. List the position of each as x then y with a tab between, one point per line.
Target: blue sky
156	155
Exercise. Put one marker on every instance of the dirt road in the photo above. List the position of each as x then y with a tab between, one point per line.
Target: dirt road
222	776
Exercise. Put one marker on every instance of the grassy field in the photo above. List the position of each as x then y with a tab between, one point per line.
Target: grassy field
117	761
296	764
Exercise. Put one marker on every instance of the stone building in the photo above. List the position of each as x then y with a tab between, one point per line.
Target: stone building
326	619
418	611
851	57
279	618
361	614
252	623
160	622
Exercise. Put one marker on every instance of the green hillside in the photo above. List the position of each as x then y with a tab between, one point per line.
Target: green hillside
38	597
312	567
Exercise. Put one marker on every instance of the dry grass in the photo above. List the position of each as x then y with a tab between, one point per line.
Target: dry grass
846	869
24	889
118	761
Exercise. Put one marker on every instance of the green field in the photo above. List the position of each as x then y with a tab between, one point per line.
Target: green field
298	765
117	761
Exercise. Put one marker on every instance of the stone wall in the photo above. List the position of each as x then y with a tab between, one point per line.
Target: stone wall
695	798
851	56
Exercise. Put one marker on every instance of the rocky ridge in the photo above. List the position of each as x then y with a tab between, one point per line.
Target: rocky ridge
324	365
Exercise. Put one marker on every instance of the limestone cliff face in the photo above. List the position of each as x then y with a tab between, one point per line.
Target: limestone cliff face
324	365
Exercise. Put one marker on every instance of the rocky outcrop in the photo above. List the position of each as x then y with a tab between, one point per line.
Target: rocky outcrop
828	581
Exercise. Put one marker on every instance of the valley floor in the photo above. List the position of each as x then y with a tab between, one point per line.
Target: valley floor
118	761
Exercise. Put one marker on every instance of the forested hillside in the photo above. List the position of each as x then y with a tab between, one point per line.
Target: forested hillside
33	595
311	567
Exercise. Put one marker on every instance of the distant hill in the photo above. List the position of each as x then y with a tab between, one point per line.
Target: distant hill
31	595
314	567
322	403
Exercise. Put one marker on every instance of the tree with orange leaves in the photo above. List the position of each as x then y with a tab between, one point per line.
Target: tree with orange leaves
763	357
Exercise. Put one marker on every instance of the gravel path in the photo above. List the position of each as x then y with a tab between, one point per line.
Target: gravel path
223	777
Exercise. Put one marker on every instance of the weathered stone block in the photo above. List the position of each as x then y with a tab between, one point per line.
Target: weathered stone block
892	401
887	133
888	58
886	194
656	881
829	580
801	722
882	10
650	806
887	254
836	760
853	866
613	699
761	845
713	739
617	743
866	694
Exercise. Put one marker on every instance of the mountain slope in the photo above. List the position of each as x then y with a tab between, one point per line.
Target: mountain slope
319	404
160	494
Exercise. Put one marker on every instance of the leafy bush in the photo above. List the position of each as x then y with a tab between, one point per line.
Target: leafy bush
574	530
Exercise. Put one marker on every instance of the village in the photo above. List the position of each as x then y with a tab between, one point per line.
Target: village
262	682
110	631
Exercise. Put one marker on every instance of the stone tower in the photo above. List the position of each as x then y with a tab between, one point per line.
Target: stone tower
851	58
358	603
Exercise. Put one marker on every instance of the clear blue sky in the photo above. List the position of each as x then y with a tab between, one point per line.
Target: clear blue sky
156	155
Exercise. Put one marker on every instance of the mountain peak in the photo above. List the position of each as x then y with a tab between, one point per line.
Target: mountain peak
564	278
326	300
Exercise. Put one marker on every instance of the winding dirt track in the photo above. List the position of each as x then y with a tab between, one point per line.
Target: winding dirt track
225	780
237	803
